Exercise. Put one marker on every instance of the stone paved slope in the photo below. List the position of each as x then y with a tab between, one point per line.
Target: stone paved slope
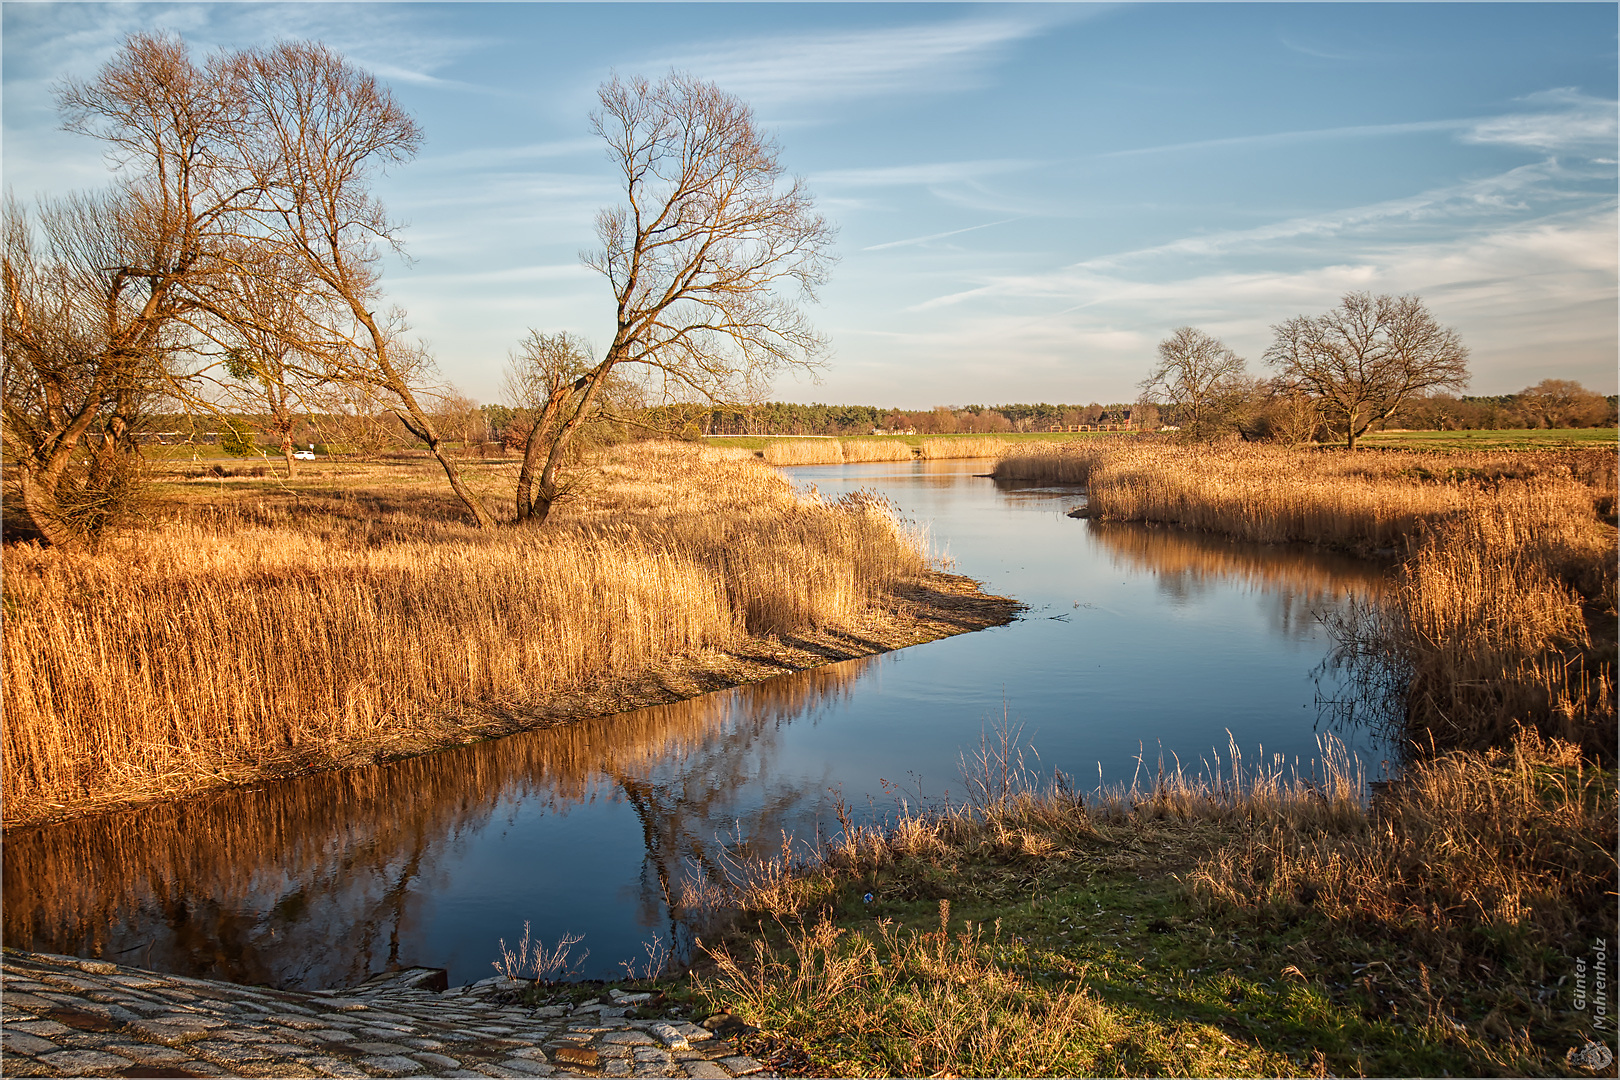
65	1016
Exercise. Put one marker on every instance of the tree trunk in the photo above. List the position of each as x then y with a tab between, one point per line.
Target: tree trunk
472	502
547	494
39	499
532	448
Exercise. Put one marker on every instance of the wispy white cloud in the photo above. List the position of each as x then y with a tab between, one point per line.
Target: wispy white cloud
496	157
920	175
934	236
1558	120
774	71
1278	138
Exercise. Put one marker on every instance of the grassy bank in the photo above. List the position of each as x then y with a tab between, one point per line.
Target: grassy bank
1249	924
267	626
1504	608
1505	439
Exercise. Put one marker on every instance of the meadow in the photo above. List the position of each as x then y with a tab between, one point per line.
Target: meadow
254	626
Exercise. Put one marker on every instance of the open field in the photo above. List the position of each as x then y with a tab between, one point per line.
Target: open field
1507	439
1244	922
262	626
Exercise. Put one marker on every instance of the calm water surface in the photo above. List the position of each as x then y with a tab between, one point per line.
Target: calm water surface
1138	643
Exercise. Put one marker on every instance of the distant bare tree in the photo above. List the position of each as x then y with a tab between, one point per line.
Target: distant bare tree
1365	358
704	257
1202	378
1557	403
268	371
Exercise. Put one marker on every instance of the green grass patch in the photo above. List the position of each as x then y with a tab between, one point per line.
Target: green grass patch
1509	439
1097	961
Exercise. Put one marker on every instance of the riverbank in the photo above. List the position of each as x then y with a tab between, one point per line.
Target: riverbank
1452	922
269	628
1504	608
1255	923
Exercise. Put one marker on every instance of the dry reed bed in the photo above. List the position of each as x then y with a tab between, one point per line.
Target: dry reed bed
804	452
975	446
876	450
203	649
1507	562
830	451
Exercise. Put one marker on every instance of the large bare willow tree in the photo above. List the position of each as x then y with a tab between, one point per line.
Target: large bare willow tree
1367	357
710	255
99	289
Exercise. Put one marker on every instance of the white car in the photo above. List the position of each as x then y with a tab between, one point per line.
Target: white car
305	455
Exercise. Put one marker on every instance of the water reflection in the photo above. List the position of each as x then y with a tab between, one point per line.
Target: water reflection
316	882
1299	583
1136	638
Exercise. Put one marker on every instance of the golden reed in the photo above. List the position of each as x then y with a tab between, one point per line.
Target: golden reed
1508	558
204	649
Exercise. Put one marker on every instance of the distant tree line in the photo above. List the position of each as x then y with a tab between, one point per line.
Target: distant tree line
470	428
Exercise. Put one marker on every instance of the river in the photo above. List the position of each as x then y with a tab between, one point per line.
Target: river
1140	645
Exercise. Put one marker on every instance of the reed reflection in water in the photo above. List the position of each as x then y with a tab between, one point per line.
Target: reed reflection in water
320	881
1300	583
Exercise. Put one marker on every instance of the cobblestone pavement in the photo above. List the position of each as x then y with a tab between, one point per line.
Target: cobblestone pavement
64	1016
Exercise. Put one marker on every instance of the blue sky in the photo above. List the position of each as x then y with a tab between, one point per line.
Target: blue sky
1029	197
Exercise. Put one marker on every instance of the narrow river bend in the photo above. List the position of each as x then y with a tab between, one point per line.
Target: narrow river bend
1138	642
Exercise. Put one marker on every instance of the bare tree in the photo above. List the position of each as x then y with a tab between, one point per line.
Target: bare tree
315	131
250	167
1558	403
1202	378
1365	358
80	345
541	380
268	372
97	305
708	257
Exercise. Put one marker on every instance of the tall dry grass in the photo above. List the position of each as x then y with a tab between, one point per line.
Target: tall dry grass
1509	562
974	446
804	452
1472	858
876	450
215	647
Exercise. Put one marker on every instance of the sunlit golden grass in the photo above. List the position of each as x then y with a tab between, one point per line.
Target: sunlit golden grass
1470	856
1509	562
253	632
969	446
876	450
804	452
1236	921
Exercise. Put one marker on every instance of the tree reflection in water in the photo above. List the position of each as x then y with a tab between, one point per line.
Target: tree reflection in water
316	882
